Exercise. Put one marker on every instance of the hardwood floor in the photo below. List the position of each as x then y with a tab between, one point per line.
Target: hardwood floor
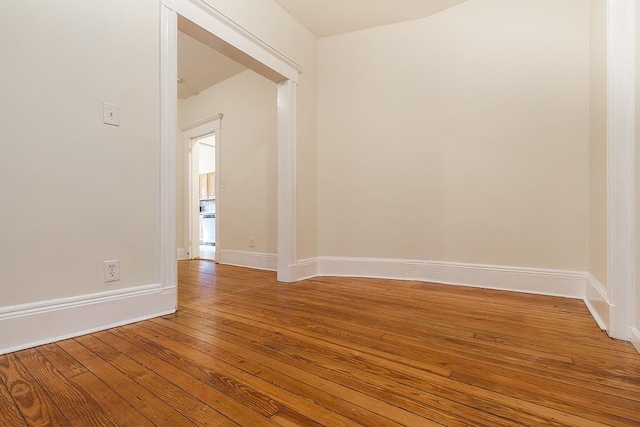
245	350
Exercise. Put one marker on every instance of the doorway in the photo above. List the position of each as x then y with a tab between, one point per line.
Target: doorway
218	31
207	196
202	141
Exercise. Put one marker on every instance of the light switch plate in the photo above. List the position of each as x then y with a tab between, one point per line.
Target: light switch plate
111	114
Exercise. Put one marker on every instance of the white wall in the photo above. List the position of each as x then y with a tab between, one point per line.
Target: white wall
247	207
637	183
460	137
207	158
76	192
598	141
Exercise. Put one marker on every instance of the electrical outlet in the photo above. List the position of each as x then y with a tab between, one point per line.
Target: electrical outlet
251	242
112	270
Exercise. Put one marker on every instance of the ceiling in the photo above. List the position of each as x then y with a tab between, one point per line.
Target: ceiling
200	67
330	17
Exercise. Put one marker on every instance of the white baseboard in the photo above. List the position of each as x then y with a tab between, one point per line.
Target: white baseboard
530	280
306	269
378	268
29	325
255	260
635	338
597	301
183	254
560	283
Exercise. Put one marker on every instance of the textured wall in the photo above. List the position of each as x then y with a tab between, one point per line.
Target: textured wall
76	192
460	137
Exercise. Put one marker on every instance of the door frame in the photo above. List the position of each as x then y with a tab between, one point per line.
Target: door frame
621	80
191	134
208	25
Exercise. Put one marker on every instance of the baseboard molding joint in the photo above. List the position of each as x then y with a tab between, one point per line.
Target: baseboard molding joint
597	301
183	254
635	338
306	269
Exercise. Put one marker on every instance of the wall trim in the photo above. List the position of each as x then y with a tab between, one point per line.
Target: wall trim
256	260
168	155
597	301
29	325
287	175
635	338
183	254
569	284
620	165
227	30
202	126
306	269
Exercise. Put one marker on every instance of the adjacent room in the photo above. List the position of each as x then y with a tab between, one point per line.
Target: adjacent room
236	180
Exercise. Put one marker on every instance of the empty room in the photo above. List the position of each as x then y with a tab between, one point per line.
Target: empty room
426	213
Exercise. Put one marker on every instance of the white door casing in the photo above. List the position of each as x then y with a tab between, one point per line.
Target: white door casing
191	133
225	35
620	166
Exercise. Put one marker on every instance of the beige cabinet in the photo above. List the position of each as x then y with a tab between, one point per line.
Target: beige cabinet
203	186
207	186
211	185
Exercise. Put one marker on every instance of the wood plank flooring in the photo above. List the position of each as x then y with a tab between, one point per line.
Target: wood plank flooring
244	350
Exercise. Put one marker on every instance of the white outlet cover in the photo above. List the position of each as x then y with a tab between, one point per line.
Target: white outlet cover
112	270
111	114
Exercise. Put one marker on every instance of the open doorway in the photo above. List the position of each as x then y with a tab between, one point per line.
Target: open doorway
201	193
218	32
207	196
245	208
199	68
